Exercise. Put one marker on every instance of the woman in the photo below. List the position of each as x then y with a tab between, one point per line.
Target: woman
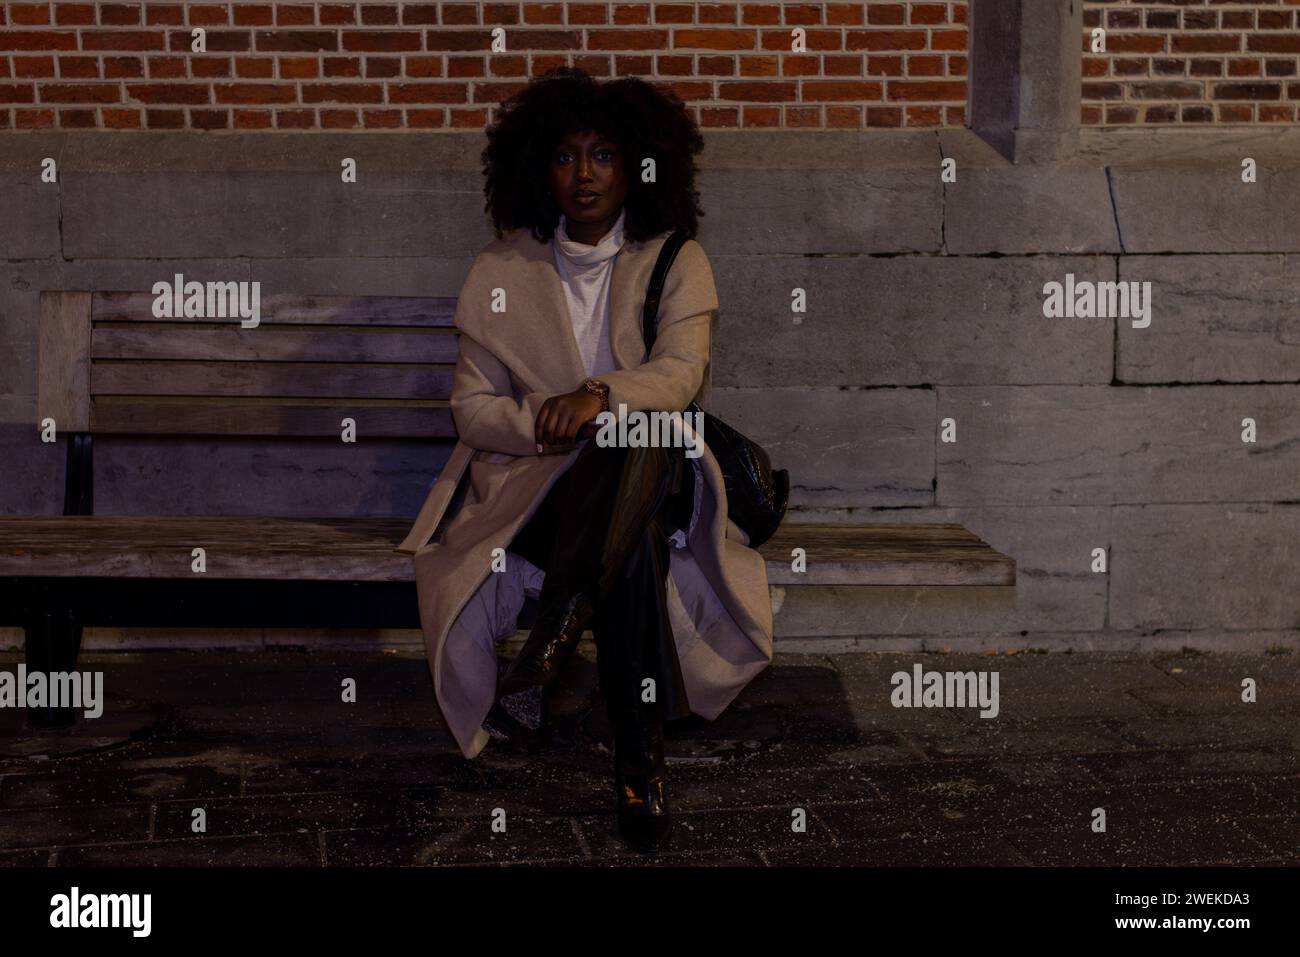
585	182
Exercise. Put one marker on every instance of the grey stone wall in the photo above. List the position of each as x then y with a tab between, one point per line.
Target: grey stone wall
924	303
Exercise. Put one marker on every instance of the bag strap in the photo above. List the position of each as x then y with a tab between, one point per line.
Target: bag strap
654	292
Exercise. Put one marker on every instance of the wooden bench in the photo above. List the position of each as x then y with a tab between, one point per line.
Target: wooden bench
109	367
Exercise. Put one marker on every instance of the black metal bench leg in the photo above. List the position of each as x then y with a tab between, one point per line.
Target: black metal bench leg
53	640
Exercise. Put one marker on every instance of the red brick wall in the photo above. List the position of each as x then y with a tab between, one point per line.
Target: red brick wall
883	63
1192	61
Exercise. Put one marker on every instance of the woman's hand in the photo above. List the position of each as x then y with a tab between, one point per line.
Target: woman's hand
562	417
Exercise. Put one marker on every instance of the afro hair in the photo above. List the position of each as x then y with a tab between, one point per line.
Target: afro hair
644	121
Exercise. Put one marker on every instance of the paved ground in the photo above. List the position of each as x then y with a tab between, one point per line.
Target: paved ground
286	774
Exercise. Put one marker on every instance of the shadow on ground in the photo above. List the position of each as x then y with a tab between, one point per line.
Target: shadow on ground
260	748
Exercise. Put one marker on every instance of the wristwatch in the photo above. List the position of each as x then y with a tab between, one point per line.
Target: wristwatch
598	388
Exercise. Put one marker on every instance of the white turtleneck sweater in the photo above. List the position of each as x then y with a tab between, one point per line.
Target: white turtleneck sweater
585	274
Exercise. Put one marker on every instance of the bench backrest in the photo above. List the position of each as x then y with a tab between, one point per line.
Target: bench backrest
108	365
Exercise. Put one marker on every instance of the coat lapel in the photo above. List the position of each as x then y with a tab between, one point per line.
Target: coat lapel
626	298
537	341
539	336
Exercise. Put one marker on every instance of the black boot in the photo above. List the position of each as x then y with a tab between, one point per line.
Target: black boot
644	818
550	644
628	651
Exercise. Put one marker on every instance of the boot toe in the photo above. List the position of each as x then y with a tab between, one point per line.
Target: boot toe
646	833
644	821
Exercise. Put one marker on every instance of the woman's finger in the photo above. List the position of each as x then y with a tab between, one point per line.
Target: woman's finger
564	426
539	427
573	422
548	424
542	418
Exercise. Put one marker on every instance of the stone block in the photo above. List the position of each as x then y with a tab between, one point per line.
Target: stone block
1214	319
1207	210
1205	566
1117	445
1029	209
904	321
841	446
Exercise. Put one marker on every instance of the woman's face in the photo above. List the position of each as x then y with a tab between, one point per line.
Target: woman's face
588	183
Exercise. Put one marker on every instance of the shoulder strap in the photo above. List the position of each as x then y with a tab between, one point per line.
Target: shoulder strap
654	292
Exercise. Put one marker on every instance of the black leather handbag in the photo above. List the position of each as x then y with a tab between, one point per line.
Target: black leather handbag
756	495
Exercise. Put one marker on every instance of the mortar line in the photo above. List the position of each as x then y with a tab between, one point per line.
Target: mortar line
1114	209
943	200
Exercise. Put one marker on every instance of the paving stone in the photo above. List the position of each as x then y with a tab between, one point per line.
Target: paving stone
582	793
1284	789
1174	799
281	814
957	850
1224	699
1280	835
278	850
1004	736
298	776
1144	843
1208	672
705	788
82	786
1182	763
36	857
68	824
684	859
729	831
454	841
1268	732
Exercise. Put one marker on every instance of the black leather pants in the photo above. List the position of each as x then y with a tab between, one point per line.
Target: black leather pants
603	528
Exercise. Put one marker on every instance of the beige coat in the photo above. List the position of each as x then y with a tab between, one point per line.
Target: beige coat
510	361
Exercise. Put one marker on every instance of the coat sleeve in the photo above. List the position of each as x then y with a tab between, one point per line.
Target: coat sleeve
672	375
483	406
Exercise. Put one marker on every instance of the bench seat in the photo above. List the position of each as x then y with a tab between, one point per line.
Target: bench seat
76	546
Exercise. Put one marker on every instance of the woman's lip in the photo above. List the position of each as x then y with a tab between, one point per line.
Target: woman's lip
584	194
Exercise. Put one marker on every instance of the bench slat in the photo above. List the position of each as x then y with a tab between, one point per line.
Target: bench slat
288	308
910	554
362	550
287	379
394	420
233	343
63	365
